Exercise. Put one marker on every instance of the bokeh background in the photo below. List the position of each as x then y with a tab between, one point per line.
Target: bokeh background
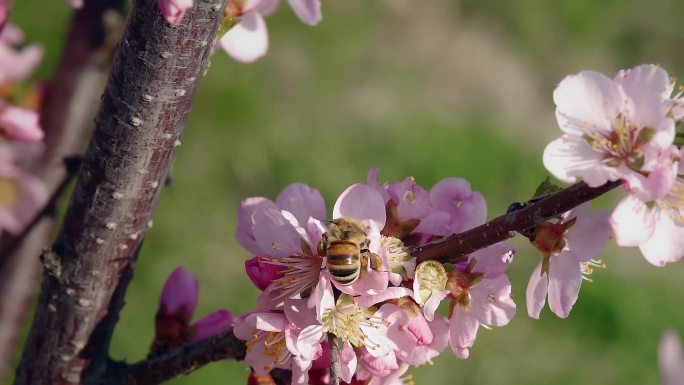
427	89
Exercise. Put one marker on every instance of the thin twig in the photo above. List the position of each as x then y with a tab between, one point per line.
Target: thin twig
225	346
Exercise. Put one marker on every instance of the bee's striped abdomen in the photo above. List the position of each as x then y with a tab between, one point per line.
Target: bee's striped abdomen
344	262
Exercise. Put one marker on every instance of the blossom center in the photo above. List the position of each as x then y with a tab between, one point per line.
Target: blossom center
300	274
622	143
274	345
673	202
8	192
347	321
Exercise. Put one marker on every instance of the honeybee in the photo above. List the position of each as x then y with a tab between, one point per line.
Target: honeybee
345	245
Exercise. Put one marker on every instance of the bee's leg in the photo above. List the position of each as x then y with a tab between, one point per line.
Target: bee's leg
375	262
323	245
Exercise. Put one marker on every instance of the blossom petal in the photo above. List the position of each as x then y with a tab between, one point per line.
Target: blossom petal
20	123
248	40
275	234
645	86
245	225
348	362
537	288
462	332
565	279
302	201
570	156
308	11
494	259
586	99
384	295
589	235
361	202
667	242
491	301
212	324
633	223
309	341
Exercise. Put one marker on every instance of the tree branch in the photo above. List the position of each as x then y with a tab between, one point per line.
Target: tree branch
505	226
335	370
66	115
226	346
155	74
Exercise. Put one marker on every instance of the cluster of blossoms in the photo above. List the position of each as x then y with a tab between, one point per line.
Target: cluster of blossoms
384	320
21	194
623	129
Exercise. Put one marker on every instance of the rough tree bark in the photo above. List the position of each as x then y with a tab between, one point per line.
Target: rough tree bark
155	73
66	117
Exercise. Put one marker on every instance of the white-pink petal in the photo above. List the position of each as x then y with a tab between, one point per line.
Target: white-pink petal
275	235
666	245
491	303
633	223
361	202
586	99
308	11
537	288
462	332
302	201
570	157
565	279
590	234
248	40
670	359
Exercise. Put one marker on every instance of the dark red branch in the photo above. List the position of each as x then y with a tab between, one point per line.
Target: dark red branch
155	74
66	117
505	226
226	346
183	361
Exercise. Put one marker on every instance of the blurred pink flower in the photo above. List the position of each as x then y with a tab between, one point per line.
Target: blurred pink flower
17	65
22	195
480	295
172	10
19	123
559	275
671	359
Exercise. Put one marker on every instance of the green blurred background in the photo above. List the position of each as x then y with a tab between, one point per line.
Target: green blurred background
428	89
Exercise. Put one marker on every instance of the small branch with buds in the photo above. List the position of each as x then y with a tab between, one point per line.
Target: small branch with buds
225	346
499	229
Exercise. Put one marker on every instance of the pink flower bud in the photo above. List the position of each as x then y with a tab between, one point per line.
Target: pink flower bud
261	273
174	10
180	294
20	123
212	324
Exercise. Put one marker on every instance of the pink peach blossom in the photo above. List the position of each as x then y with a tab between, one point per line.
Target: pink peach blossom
22	195
614	128
17	65
262	274
671	359
19	123
481	295
560	273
